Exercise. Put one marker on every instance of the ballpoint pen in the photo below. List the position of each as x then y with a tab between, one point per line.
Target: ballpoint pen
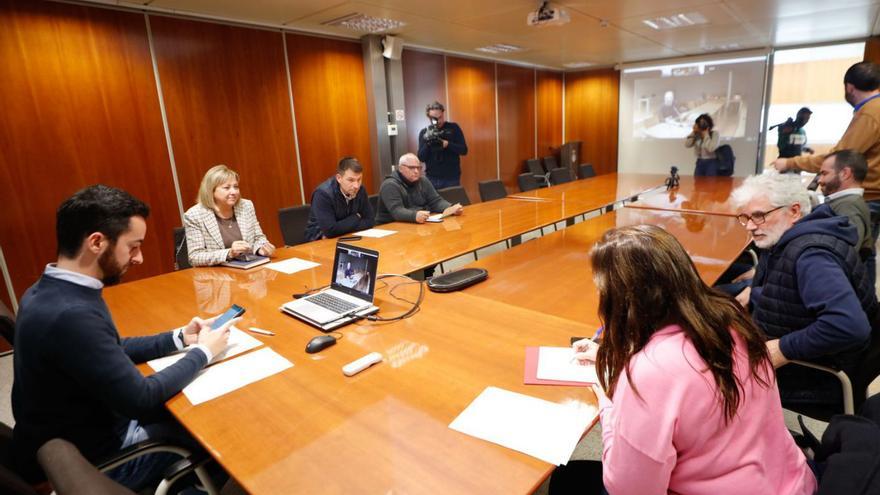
260	331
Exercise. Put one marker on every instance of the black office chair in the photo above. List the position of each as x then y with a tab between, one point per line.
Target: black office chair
181	252
374	202
10	481
527	182
491	189
71	474
293	221
455	194
537	170
585	170
550	163
854	388
560	175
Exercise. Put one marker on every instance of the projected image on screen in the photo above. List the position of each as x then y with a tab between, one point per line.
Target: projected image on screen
660	101
667	104
353	271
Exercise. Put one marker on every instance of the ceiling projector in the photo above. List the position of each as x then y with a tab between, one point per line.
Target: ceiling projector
547	15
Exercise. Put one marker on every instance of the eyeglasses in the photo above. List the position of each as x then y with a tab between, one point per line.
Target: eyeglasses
411	167
757	217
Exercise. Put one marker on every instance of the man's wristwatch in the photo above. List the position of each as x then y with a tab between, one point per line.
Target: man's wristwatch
181	337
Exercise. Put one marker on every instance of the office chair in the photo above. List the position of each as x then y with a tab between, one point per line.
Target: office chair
527	182
854	388
491	190
560	175
455	194
537	170
293	221
374	202
585	170
70	473
7	327
550	163
181	252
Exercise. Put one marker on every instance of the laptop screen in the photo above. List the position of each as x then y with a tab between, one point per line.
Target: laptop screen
354	271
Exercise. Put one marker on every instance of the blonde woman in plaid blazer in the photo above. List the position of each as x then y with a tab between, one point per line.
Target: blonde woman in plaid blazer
220	207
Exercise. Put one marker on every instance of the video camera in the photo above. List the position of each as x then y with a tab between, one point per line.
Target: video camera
434	134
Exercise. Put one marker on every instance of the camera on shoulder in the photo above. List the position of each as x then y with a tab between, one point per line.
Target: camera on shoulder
434	134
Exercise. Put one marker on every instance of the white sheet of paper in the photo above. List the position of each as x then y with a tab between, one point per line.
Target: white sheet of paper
554	363
292	265
436	218
235	373
377	233
539	428
238	342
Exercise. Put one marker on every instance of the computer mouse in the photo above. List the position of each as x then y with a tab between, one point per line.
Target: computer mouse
320	343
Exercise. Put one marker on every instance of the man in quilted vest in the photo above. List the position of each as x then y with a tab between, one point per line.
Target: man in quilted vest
811	293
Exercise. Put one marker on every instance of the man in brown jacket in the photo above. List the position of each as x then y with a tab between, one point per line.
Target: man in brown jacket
861	85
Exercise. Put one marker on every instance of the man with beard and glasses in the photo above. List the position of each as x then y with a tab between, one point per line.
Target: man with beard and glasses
811	294
74	377
841	178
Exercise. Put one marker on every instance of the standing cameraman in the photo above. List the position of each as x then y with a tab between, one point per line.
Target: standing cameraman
792	137
440	146
704	141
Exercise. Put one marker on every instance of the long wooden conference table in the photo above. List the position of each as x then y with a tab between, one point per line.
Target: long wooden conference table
310	429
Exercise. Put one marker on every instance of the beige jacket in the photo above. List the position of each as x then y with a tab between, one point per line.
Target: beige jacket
203	240
862	135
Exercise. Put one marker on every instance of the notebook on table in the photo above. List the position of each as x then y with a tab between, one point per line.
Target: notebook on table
246	261
350	295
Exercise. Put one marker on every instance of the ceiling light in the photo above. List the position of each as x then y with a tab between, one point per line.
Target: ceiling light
675	21
500	48
365	23
578	65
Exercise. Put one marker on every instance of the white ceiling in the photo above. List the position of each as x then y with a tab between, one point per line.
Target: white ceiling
460	26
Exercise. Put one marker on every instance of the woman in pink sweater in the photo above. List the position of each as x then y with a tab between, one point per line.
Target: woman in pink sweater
692	405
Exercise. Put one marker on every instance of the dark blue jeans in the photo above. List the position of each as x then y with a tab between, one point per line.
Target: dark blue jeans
706	167
442	183
147	470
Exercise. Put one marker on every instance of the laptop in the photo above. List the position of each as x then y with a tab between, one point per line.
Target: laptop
350	295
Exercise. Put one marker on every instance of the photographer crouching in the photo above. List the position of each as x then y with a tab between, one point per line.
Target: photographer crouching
441	145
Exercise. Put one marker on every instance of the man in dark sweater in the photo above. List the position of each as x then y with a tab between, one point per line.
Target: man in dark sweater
340	204
841	179
406	196
441	146
74	377
811	294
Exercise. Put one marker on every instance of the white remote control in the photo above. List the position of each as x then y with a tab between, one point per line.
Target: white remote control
358	365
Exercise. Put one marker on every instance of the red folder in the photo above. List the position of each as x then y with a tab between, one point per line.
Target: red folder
531	372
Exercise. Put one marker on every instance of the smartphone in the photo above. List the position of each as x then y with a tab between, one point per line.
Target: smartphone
234	312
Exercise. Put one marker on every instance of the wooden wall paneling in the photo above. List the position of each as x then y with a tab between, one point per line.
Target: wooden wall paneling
472	106
227	101
549	108
330	97
80	107
516	121
424	81
591	112
872	50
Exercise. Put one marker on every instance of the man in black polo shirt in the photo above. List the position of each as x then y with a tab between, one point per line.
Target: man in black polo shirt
340	204
74	377
441	146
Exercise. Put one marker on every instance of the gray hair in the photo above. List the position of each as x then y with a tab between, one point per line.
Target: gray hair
779	189
408	156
